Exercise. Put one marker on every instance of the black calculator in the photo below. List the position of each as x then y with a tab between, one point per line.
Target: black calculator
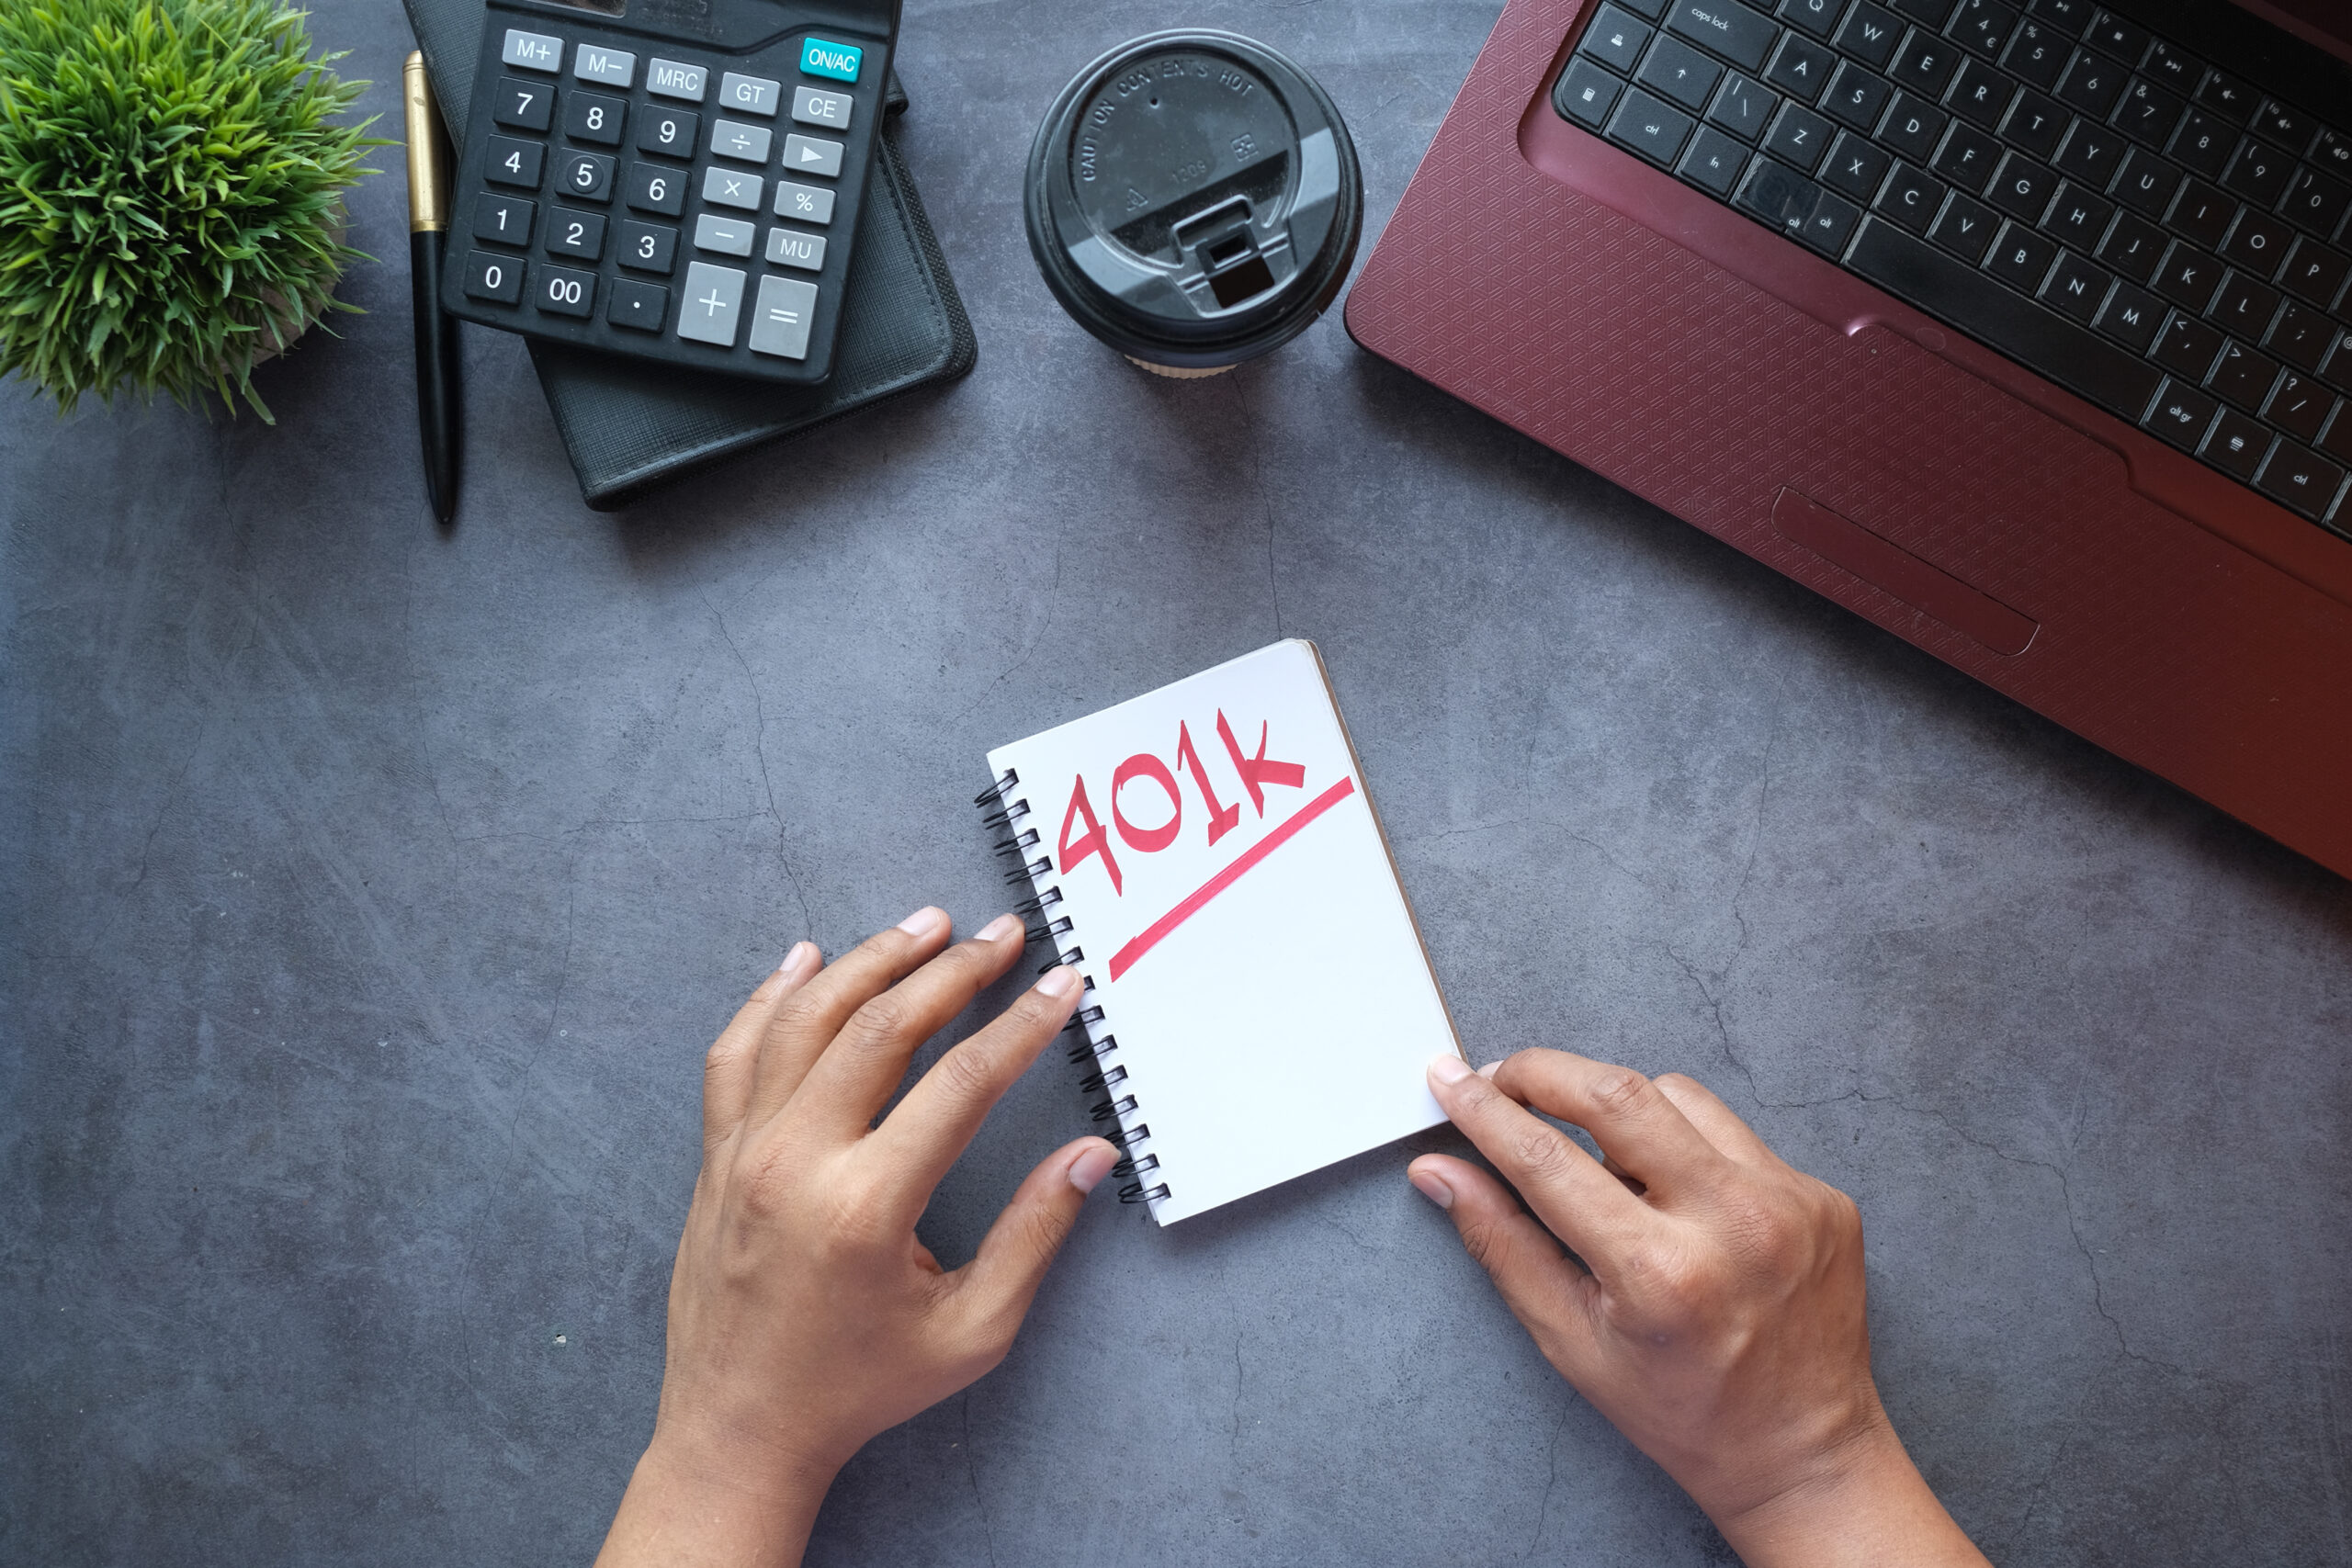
675	180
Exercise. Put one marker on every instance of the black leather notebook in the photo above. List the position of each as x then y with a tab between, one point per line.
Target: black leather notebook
628	425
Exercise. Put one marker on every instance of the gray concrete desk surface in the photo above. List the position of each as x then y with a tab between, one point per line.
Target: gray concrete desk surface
370	896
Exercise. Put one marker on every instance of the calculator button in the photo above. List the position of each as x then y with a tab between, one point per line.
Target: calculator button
733	139
812	155
751	95
732	187
674	79
533	51
503	220
803	204
820	57
525	106
648	247
641	306
562	291
493	277
728	236
654	188
613	67
515	162
571	233
587	174
786	248
714	297
593	116
670	132
810	106
780	326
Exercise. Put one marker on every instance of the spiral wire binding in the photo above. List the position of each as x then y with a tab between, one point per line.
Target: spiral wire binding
1002	812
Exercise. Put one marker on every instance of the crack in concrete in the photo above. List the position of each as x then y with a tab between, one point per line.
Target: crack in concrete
760	750
1053	593
1552	1458
972	1478
1595	845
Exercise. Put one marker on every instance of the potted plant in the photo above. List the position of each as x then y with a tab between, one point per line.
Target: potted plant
170	194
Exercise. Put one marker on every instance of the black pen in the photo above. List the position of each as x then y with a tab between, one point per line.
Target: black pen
437	334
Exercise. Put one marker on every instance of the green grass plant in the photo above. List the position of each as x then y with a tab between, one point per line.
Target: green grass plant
171	180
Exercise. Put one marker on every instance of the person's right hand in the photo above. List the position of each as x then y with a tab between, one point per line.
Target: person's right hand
1718	1319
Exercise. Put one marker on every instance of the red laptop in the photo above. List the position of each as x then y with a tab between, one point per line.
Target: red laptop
2018	328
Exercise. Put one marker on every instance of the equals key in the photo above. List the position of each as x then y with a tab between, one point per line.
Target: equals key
780	322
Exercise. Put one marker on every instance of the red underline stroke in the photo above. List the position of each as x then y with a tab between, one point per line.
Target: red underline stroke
1125	959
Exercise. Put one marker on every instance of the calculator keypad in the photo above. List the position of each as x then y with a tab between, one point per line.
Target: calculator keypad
600	164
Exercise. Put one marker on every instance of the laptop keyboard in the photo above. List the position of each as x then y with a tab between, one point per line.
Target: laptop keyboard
2093	201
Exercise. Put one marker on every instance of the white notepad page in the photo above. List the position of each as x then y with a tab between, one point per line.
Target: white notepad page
1269	995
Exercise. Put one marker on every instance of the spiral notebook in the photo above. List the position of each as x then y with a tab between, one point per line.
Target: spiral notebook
1258	1002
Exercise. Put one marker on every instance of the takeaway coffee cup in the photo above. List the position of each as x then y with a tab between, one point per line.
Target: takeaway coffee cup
1193	200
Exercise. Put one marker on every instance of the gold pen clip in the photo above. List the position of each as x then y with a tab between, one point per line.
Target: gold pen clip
428	171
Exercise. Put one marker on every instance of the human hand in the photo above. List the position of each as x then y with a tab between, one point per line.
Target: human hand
1718	1319
805	1317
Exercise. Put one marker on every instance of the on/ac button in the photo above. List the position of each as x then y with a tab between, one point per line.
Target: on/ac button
838	60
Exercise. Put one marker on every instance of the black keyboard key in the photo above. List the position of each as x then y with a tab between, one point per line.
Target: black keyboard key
2237	446
1965	228
2133	248
2203	143
525	106
2316	271
565	291
1650	128
1799	136
2337	442
2076	287
2187	348
1983	26
1832	224
1981	93
2173	69
2304	481
1856	168
2300	337
2035	125
1869	35
2227	96
1742	108
2316	202
1819	17
2091	83
1739	35
2148	113
2242	377
2288	126
493	277
1674	70
2125	41
1714	161
1650	9
2332	151
1779	195
2146	182
2299	406
2188	277
2090	153
1913	127
1616	40
2132	317
1911	199
1801	67
2259	170
1967	159
1585	95
670	132
572	233
2077	219
2021	258
655	188
641	306
2259	243
503	220
1927	12
515	162
2202	214
2023	189
2039	53
648	247
594	118
2182	415
2244	307
587	176
1924	64
1914	271
1857	97
2071	17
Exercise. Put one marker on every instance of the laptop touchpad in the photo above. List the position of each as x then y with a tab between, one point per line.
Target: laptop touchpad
1894	569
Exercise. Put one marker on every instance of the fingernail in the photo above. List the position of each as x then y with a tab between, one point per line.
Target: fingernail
1426	1183
923	922
1059	981
1449	1069
802	958
1488	1072
999	928
1087	1171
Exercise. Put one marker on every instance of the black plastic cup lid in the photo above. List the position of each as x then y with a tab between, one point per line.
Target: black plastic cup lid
1194	199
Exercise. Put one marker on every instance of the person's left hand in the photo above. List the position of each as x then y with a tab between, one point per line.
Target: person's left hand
805	1317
